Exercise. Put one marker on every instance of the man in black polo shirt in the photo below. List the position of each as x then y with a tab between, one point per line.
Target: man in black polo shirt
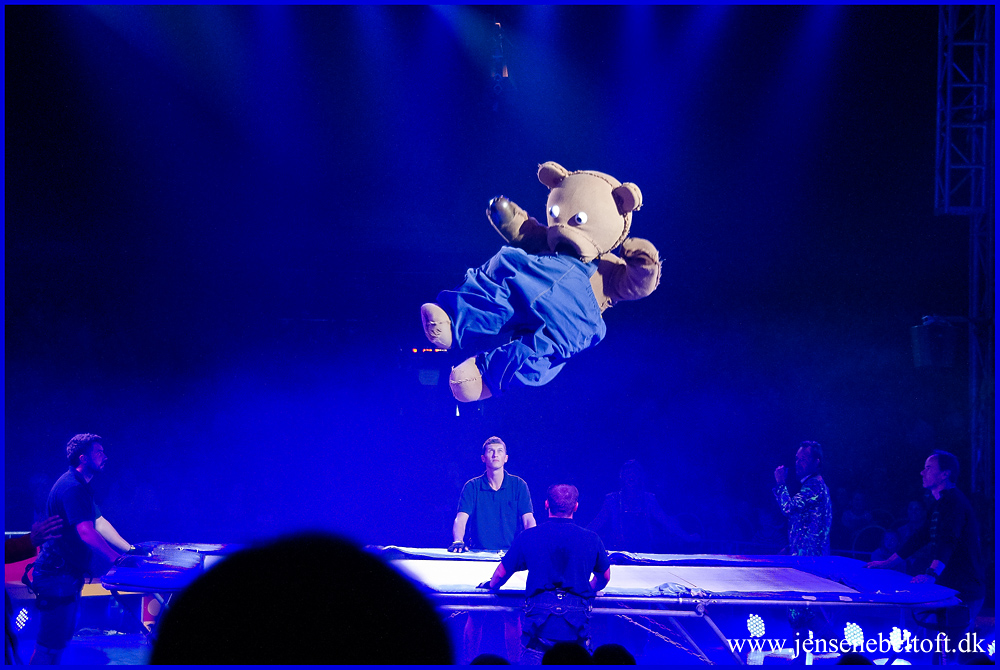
567	565
952	538
495	503
64	562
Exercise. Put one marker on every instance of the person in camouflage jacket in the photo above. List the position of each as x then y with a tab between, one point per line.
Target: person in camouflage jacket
809	511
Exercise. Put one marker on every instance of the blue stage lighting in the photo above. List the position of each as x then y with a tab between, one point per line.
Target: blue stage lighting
22	619
896	639
755	625
992	648
899	639
854	635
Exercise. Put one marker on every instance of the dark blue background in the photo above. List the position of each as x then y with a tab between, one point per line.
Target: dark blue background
221	223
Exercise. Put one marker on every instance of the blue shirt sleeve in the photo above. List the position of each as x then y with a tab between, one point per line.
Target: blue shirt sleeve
523	499
467	501
603	560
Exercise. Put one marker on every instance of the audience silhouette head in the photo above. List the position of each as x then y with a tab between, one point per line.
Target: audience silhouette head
309	598
489	659
613	654
566	653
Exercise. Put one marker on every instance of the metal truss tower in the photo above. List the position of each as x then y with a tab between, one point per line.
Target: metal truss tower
965	187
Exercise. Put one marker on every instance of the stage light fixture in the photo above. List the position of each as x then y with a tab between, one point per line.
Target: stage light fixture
22	619
896	639
503	83
499	72
755	657
899	638
992	648
429	377
854	635
428	361
934	341
755	625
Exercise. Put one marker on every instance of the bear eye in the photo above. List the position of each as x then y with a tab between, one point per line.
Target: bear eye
554	211
580	218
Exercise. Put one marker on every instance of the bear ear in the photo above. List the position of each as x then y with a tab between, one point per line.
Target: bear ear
551	174
628	197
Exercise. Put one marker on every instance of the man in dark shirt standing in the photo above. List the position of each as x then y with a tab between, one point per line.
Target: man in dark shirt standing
64	562
952	538
494	502
567	565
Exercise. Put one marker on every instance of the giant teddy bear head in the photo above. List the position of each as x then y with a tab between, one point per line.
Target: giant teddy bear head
590	211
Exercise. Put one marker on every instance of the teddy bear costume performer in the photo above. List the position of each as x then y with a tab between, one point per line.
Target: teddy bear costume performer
539	300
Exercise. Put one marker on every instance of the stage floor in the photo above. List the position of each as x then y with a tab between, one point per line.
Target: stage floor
98	646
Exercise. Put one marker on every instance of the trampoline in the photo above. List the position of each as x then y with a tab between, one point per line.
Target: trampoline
681	587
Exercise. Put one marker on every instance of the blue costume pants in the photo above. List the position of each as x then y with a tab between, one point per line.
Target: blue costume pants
524	315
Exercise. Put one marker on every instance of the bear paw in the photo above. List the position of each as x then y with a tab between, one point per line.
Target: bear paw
467	382
437	325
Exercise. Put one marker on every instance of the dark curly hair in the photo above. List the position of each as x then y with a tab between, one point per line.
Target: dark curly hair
79	445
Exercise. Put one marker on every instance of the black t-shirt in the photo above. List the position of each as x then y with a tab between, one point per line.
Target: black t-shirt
558	554
952	537
72	500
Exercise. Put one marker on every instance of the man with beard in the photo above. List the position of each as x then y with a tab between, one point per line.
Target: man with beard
64	561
